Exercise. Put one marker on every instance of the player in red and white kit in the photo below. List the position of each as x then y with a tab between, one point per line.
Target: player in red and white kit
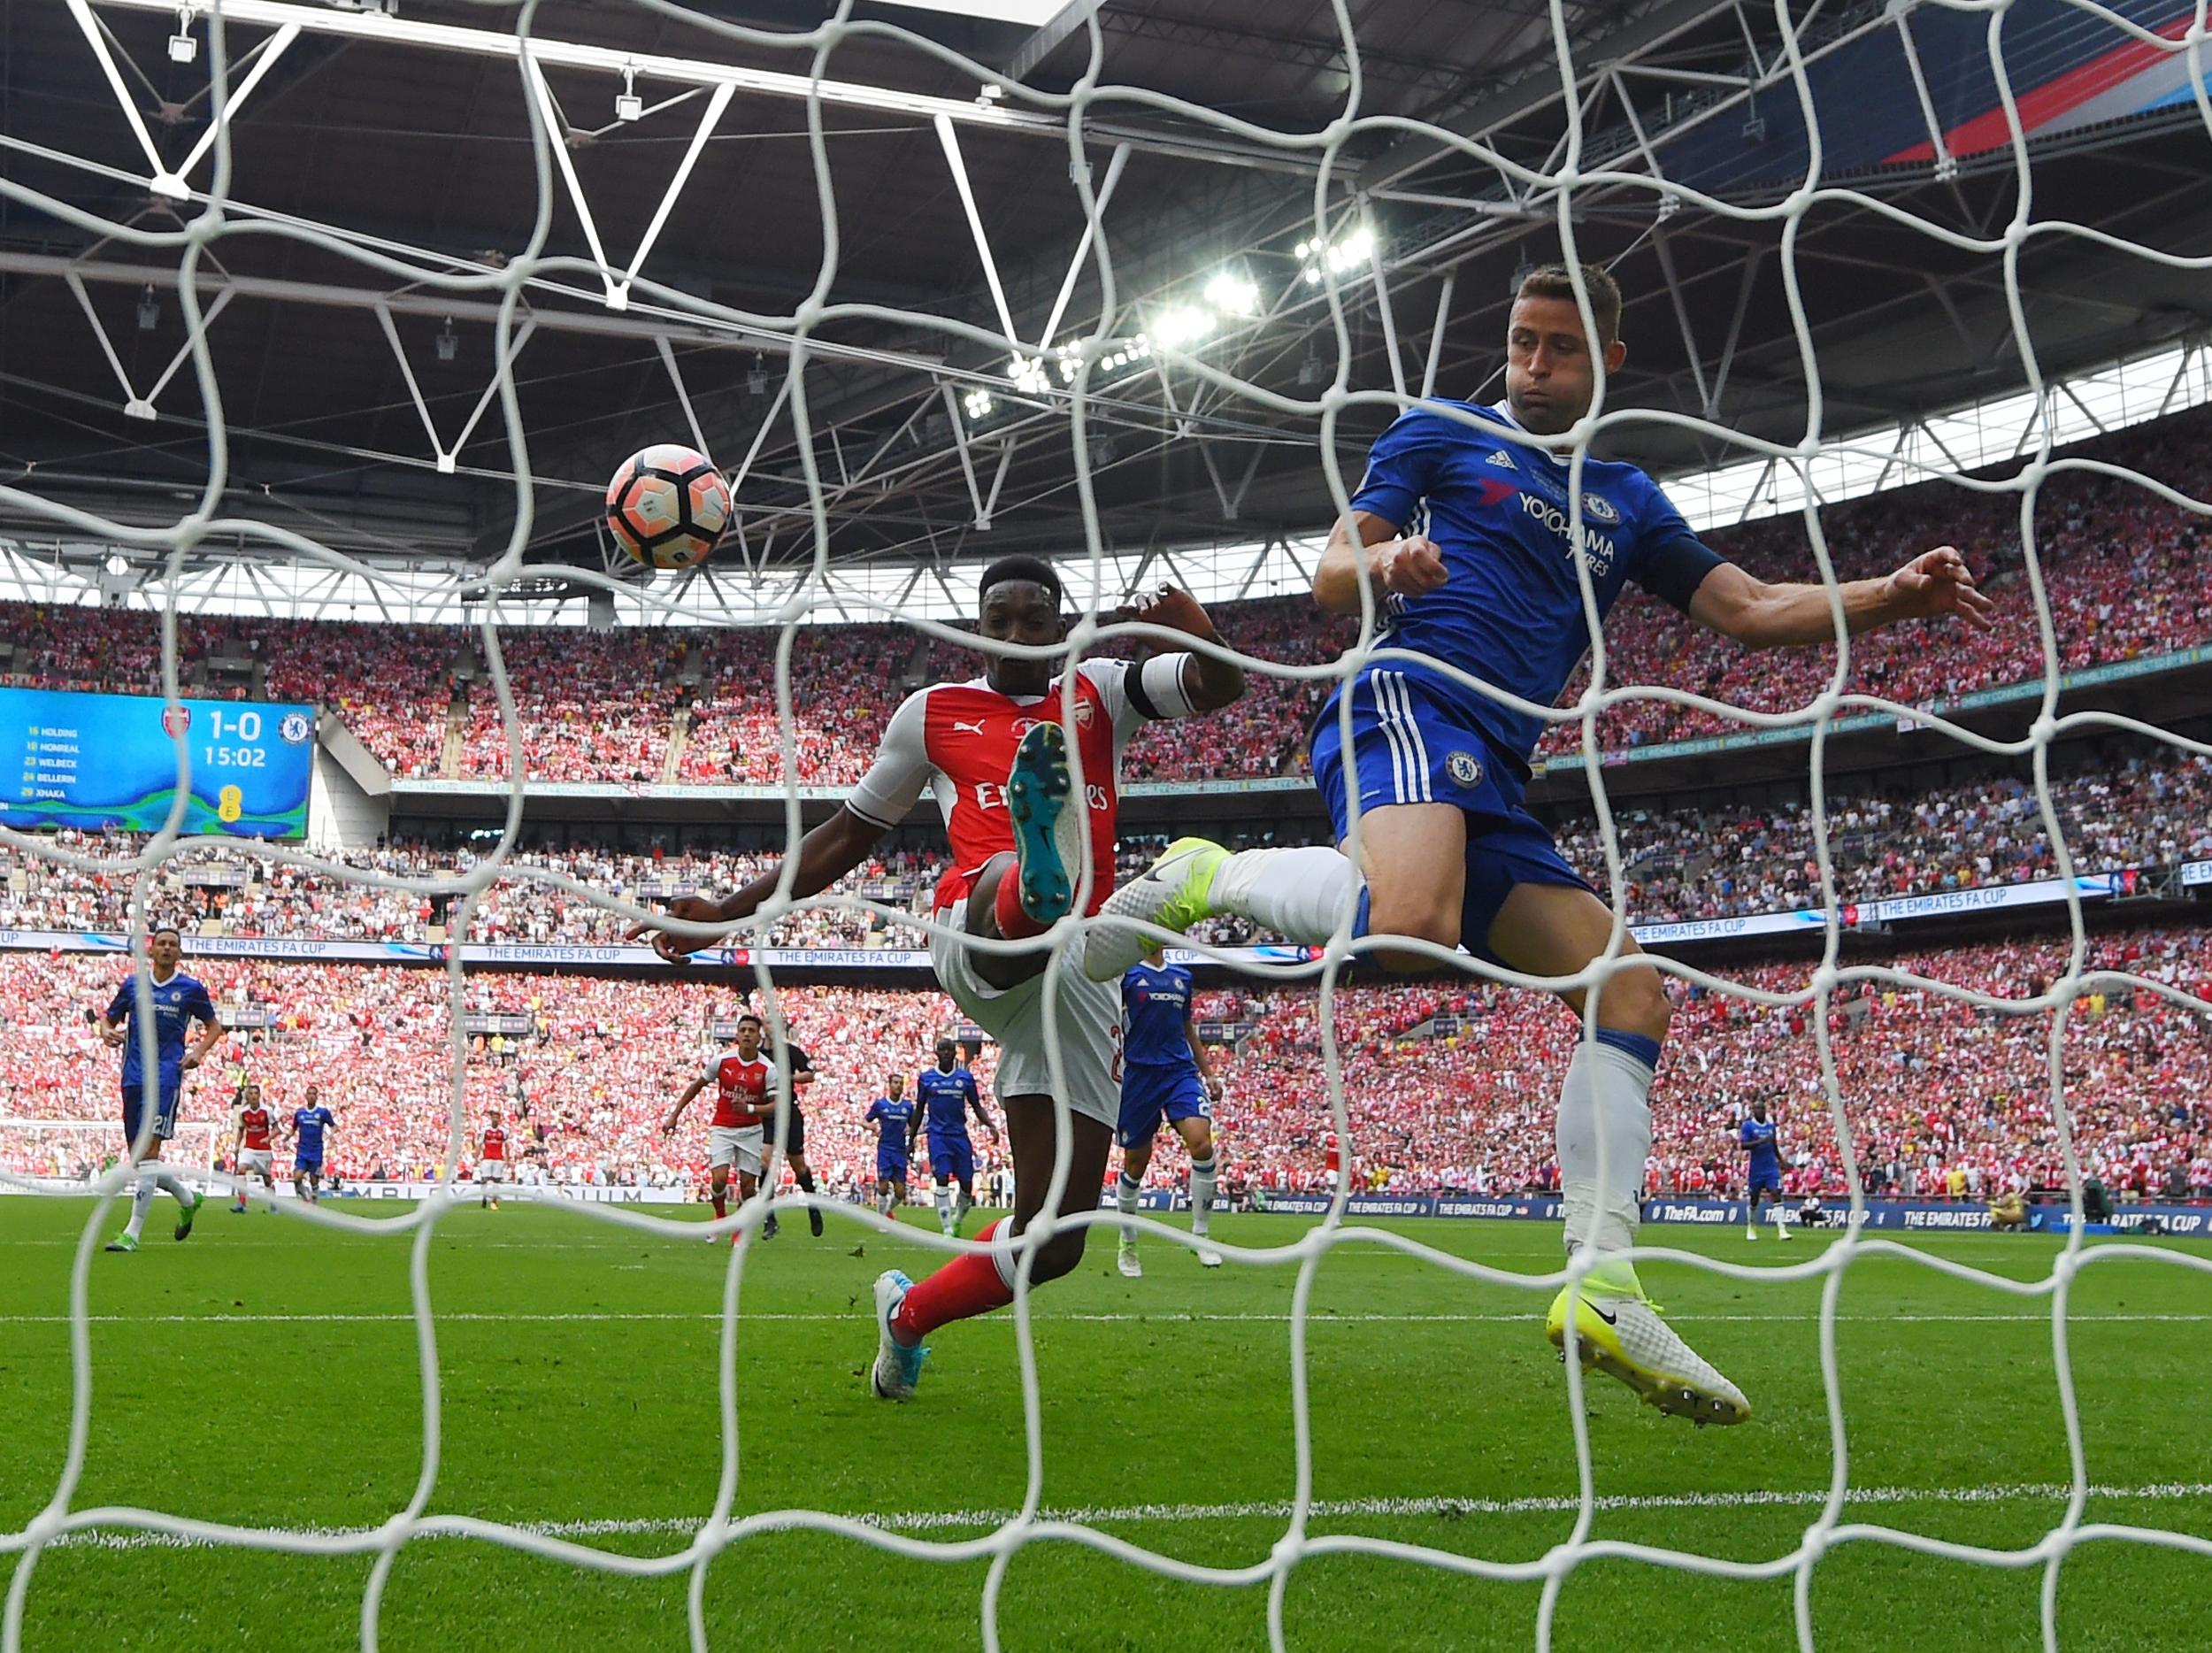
744	1104
251	1153
994	753
491	1165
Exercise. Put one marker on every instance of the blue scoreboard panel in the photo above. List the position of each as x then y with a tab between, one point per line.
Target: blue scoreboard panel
110	762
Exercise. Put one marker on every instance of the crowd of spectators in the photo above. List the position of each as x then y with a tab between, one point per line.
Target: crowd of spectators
1731	860
2149	811
2122	568
217	890
1444	1086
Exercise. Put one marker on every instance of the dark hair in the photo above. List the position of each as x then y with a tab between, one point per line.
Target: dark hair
1034	570
1552	280
749	1017
165	929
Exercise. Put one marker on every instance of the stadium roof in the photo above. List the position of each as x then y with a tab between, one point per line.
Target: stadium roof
356	386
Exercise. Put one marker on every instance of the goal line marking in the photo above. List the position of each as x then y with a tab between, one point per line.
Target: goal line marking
1273	1509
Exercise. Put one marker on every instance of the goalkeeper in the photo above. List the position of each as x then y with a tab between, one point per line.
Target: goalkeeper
1461	530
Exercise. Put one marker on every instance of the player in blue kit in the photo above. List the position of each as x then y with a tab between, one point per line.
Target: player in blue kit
945	1095
1763	1182
178	1001
1463	535
1165	1075
893	1116
308	1125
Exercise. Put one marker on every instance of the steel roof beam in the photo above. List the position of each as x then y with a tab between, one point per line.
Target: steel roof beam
420	302
380	27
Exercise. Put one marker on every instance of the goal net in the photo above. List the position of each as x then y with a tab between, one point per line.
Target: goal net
71	1156
1763	154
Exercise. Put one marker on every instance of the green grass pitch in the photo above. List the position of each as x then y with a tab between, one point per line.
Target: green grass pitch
265	1373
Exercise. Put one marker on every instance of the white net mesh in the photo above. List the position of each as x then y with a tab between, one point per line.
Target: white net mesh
211	215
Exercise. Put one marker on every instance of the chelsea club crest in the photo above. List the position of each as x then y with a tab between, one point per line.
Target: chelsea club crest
1465	768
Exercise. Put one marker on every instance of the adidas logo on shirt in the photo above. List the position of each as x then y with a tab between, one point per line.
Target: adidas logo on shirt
1501	457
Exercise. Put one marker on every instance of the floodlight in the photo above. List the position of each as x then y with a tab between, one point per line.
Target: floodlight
1234	295
449	342
756	380
182	47
148	309
1184	324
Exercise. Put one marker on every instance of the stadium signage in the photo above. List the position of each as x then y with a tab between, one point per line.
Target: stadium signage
102	761
1990	898
2175	1219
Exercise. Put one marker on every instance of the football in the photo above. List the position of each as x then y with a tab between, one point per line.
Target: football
667	506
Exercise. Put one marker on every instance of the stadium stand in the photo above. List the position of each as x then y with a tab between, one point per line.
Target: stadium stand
2122	567
1717	861
1459	1103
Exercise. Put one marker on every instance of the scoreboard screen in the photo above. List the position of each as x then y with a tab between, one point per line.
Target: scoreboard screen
110	761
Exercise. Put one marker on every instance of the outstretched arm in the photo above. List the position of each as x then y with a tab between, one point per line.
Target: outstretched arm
825	854
1760	615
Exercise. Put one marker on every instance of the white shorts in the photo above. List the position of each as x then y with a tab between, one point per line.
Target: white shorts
491	1171
254	1159
738	1145
1088	1014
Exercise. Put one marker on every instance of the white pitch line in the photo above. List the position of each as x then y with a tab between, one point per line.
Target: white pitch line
1130	1317
1273	1509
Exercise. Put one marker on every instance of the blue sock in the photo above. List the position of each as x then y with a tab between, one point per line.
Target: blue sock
1359	916
1644	1048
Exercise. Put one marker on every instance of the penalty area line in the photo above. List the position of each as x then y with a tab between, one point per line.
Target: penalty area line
1272	1510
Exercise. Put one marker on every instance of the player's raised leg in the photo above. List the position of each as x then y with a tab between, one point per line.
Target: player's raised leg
1604	1141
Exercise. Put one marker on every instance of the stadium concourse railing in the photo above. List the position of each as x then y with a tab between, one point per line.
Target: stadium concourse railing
2117	884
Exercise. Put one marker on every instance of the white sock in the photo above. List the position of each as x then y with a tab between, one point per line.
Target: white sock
142	1201
1201	1196
168	1182
1779	1228
1604	1139
1299	893
1125	1196
944	1208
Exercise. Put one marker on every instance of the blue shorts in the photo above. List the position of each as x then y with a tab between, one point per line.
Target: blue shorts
1763	1181
1409	748
951	1158
890	1167
169	1091
305	1162
1148	1094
